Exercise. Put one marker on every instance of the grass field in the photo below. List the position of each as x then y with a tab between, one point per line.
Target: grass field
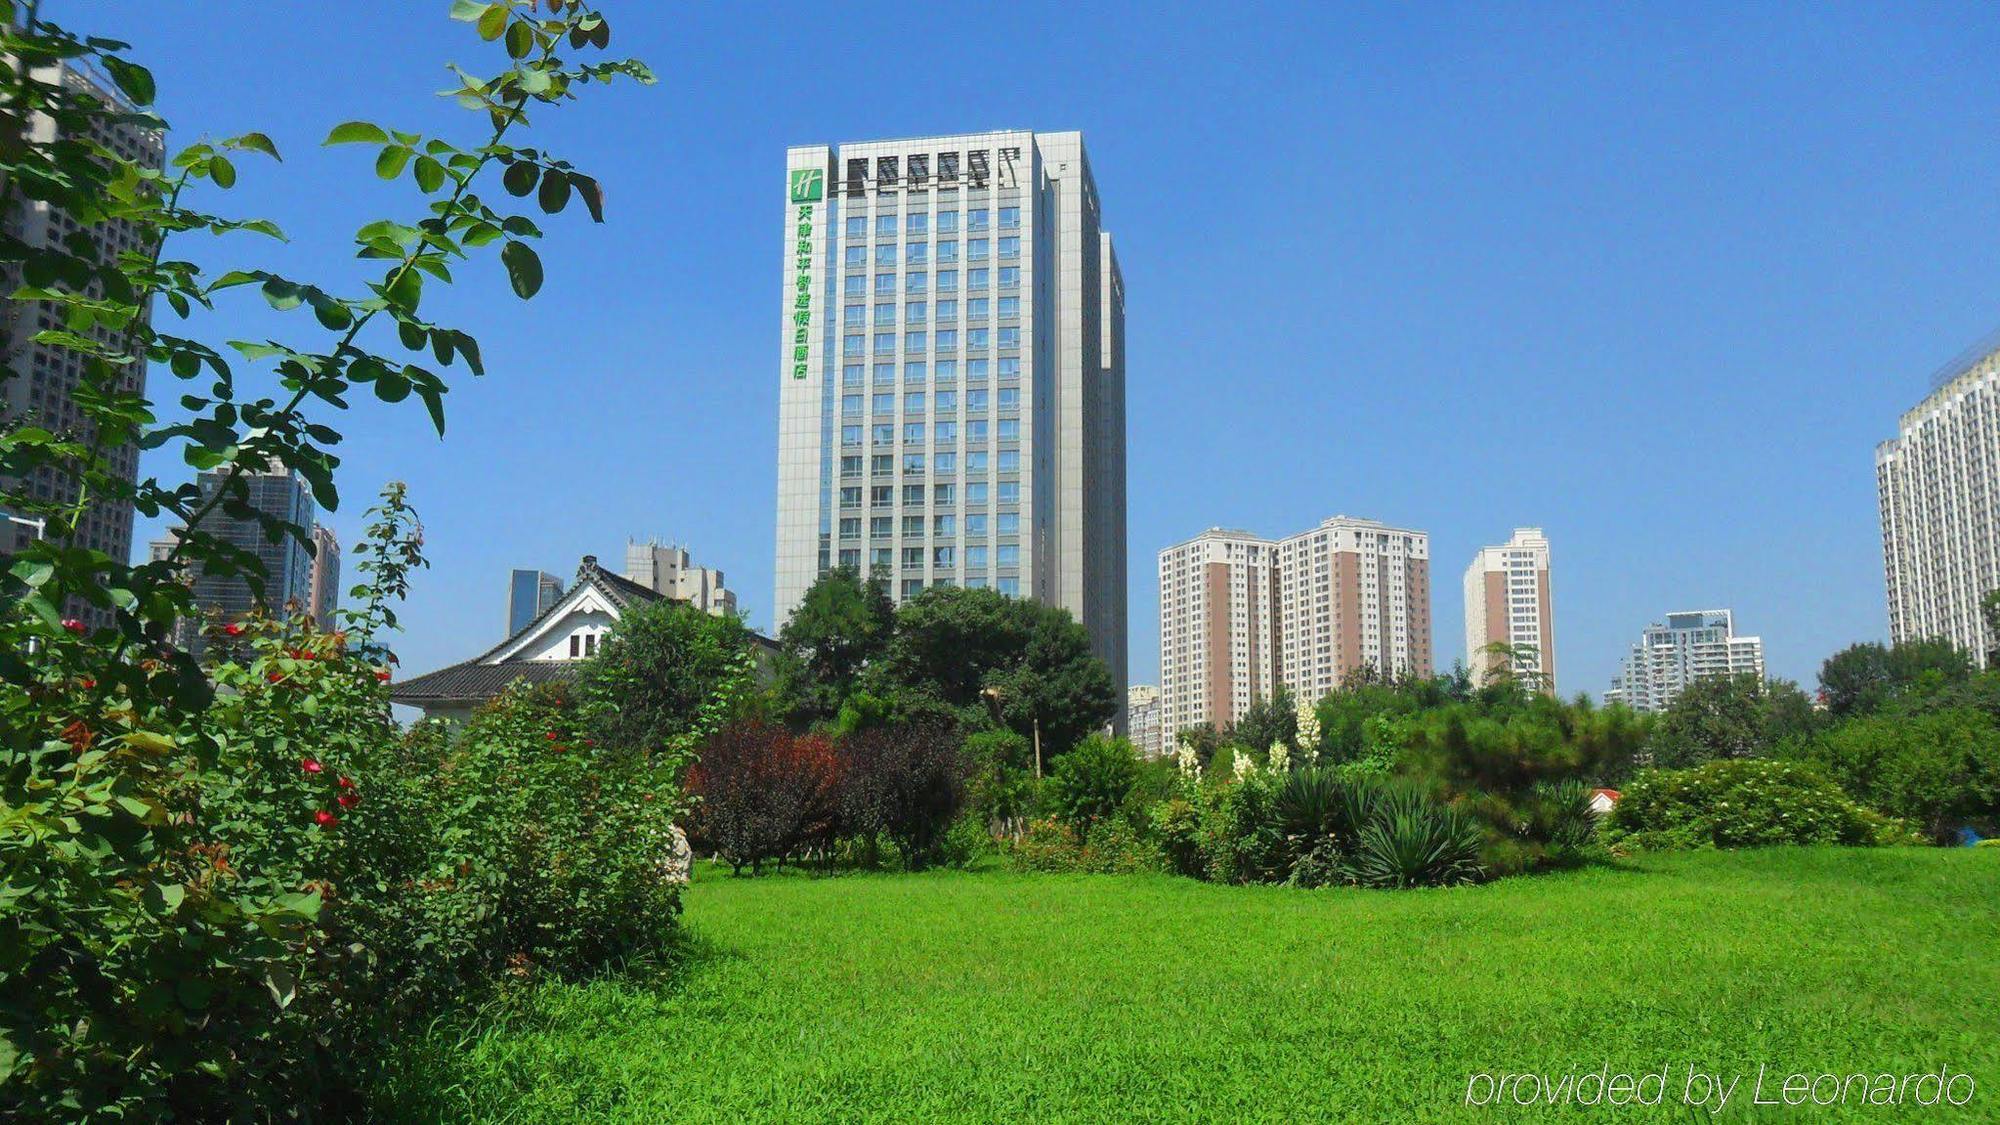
999	996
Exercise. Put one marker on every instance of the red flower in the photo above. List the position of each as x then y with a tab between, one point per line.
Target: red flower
274	677
349	800
232	629
87	685
73	625
553	736
325	819
345	783
310	765
382	674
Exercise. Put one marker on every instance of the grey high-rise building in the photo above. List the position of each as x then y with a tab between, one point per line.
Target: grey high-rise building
530	593
288	581
952	408
323	588
45	376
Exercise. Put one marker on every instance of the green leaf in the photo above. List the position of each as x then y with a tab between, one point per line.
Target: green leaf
468	11
392	386
255	142
135	81
433	396
524	268
520	177
356	132
593	196
33	572
283	985
554	195
222	171
282	294
389	165
407	290
430	174
492	22
520	40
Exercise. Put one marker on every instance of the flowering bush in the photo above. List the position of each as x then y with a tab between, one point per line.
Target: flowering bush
1741	803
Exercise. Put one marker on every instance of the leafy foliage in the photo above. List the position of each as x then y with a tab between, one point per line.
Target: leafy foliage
1862	679
174	872
1090	782
906	782
1740	803
763	793
1729	717
666	672
1411	841
1939	770
843	624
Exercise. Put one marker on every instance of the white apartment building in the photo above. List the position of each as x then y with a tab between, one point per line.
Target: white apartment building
1507	600
952	408
1938	482
1241	614
1690	646
1142	705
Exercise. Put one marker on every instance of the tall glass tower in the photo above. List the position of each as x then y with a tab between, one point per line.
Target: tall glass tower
952	403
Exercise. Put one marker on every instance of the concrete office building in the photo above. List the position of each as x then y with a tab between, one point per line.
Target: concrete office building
323	587
1938	483
952	409
1689	646
530	593
1241	614
1508	601
671	572
45	375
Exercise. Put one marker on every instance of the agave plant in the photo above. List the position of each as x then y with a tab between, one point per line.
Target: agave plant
1411	841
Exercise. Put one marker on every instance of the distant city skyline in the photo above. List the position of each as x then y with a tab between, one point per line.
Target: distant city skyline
1471	267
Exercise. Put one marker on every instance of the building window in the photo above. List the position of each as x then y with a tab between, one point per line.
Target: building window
975	309
947	253
885	285
916	254
917	222
1010	337
885	316
975	281
975	338
946	433
912	587
850	527
975	461
881	527
852	346
975	400
881	556
913	373
856	285
850	466
1007	523
913	341
976	249
882	496
885	374
947	281
944	464
857	226
976	219
882	465
947	370
1010	367
850	406
916	284
1010	492
1010	586
1010	398
913	495
915	312
575	646
945	401
854	316
1010	218
885	343
1009	429
850	435
885	226
885	403
943	556
1008	554
1010	460
1010	247
1010	308
947	222
975	492
850	375
857	257
975	430
943	494
850	558
913	402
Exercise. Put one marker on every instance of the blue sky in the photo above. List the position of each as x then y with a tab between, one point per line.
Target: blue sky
1656	278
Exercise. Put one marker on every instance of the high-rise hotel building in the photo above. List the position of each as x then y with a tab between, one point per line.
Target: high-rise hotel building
952	409
1508	601
1938	482
1241	614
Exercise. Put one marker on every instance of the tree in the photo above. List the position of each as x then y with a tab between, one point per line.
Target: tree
667	671
843	623
960	644
905	781
1729	717
764	793
1266	722
1940	770
1862	679
1091	781
1512	667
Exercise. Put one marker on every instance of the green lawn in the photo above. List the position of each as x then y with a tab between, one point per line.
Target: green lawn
997	996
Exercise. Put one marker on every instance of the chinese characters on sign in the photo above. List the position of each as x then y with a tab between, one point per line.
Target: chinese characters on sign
807	186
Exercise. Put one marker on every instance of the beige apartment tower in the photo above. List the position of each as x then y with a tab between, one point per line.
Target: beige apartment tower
1241	614
1508	601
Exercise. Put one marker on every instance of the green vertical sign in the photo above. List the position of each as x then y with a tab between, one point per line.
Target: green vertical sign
806	187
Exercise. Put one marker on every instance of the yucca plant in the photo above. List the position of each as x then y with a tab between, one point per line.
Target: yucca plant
1411	841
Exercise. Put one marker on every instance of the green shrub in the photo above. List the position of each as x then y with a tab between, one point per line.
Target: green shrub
1411	841
1091	781
1324	865
967	841
1738	804
1939	770
1242	840
1176	828
1112	847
